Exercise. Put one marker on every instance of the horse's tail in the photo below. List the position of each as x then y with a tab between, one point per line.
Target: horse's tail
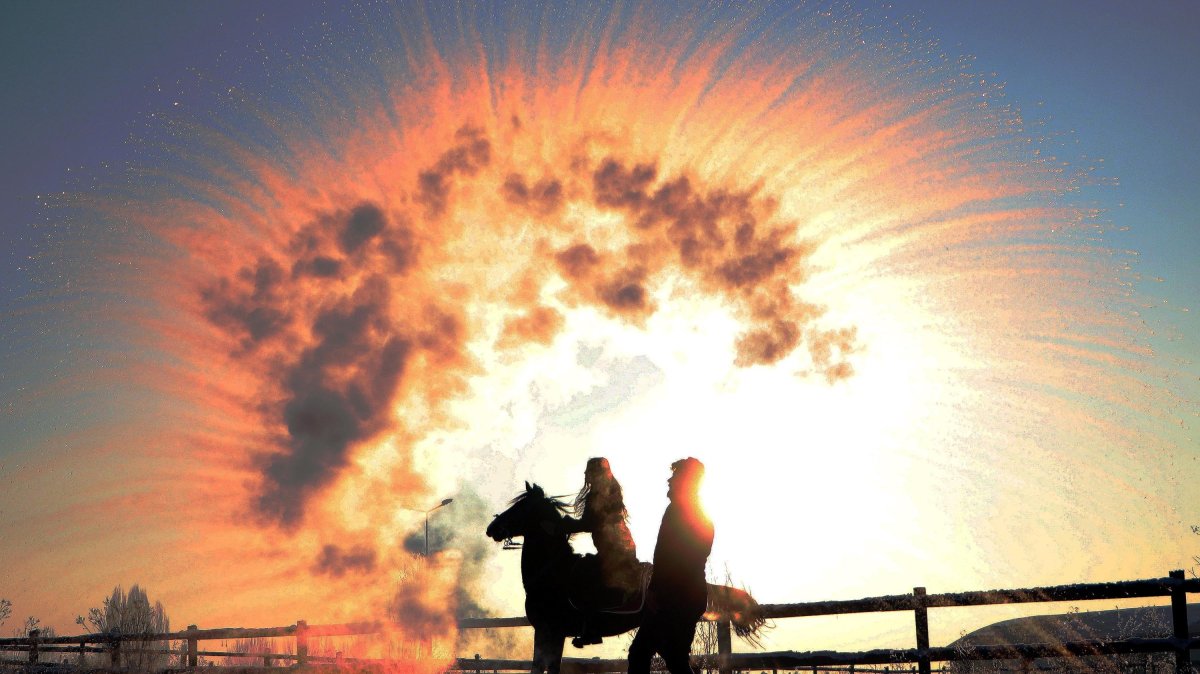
744	613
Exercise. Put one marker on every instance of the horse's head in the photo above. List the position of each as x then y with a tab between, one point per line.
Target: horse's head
530	512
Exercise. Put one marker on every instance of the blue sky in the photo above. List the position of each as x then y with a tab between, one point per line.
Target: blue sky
1125	79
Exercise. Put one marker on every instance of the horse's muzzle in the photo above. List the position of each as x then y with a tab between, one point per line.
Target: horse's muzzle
496	533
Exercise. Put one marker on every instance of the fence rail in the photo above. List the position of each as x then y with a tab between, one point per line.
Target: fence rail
1175	585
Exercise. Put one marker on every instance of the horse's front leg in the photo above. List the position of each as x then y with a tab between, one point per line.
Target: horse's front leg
554	651
547	651
540	658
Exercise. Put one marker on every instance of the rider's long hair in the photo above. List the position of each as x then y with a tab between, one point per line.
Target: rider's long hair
600	490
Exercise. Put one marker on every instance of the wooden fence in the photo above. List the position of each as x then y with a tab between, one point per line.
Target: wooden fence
1175	586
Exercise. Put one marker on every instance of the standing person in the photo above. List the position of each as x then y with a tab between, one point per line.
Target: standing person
678	592
600	508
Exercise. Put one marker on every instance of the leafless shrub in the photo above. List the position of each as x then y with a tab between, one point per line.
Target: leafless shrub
131	613
261	648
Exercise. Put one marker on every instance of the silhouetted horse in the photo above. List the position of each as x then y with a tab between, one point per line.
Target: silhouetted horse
557	581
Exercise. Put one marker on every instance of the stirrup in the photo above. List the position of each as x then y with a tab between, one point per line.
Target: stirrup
582	640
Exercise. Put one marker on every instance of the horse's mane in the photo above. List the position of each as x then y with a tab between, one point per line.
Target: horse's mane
534	491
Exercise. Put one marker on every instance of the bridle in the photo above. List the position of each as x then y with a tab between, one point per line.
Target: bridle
510	544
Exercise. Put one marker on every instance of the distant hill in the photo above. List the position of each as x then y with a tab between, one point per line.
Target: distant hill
1149	622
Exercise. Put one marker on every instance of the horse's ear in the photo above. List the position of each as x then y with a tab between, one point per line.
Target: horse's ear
528	487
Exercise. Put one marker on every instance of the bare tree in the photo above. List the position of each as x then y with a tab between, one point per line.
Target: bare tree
32	623
705	643
131	613
1195	558
258	648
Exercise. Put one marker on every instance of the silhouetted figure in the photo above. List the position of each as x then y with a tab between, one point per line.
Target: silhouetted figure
600	508
677	594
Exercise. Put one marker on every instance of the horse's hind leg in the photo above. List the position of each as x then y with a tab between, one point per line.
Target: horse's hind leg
554	653
547	651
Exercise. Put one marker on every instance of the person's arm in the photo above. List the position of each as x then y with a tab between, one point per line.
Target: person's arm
587	521
570	525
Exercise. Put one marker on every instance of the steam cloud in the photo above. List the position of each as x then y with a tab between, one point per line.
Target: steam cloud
336	562
458	526
341	315
339	389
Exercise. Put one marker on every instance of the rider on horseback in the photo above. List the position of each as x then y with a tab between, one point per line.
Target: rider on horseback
552	579
600	508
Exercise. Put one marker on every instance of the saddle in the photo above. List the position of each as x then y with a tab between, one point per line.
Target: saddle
586	592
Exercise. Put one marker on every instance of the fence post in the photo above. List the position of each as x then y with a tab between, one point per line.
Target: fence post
724	647
922	615
1179	621
114	650
33	645
301	642
192	646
